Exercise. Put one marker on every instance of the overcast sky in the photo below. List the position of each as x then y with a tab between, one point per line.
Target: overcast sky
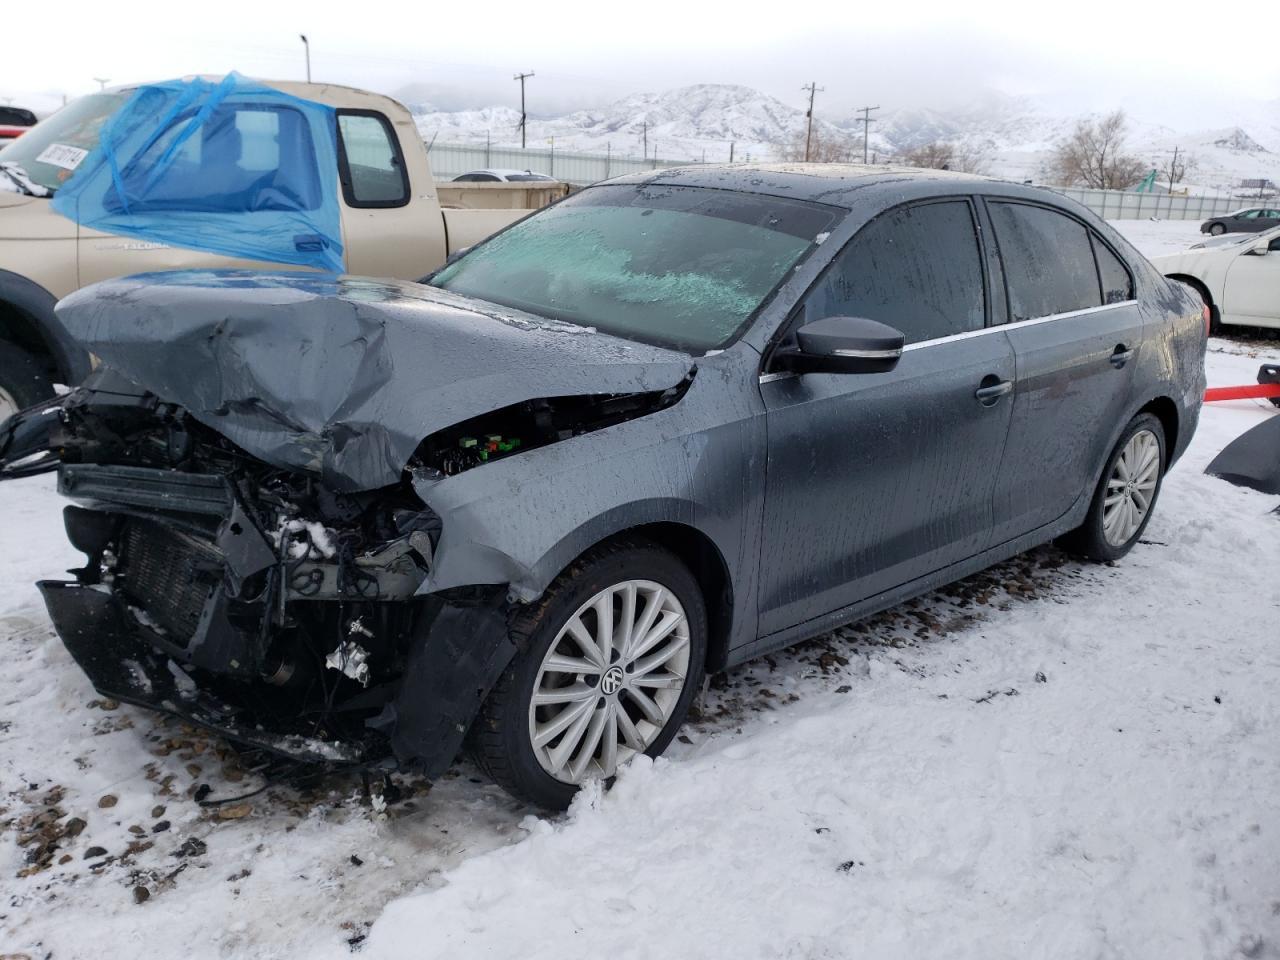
1183	67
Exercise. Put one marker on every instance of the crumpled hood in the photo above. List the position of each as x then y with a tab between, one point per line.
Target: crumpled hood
343	375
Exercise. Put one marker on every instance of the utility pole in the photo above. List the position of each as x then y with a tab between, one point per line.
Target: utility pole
732	144
102	82
306	45
814	90
1173	169
522	77
644	133
866	128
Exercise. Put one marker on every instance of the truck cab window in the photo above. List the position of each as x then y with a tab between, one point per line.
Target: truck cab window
373	172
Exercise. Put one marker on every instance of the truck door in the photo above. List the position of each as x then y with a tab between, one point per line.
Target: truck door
391	222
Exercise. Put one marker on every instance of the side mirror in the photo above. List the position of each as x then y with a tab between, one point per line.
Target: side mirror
1260	249
843	345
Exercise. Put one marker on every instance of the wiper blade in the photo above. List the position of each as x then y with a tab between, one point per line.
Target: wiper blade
24	182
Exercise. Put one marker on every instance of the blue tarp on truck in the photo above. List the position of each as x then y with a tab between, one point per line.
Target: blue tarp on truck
231	167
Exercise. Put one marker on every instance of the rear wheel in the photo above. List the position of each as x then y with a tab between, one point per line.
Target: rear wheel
1126	494
23	381
611	659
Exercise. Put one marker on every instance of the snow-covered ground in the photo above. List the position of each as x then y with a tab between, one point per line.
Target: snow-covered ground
1047	760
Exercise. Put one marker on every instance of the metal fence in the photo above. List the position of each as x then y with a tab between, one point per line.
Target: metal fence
1123	205
450	159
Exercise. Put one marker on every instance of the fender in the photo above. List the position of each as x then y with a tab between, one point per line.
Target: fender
71	359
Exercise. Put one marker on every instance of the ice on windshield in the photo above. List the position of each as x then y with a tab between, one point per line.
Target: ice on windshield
633	266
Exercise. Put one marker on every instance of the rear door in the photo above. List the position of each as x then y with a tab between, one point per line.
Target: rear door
1076	330
876	479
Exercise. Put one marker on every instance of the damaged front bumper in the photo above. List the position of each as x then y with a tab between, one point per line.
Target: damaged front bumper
107	643
286	633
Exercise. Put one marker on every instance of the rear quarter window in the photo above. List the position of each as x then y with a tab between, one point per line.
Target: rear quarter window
1117	284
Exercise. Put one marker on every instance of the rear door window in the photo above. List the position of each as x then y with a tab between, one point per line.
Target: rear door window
373	173
916	268
1048	261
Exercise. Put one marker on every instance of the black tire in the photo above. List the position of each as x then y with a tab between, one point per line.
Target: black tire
1089	540
23	379
499	739
1217	229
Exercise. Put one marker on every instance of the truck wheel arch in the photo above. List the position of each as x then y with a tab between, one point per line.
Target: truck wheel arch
27	318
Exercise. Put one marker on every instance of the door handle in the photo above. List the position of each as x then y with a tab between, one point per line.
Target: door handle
1121	355
992	390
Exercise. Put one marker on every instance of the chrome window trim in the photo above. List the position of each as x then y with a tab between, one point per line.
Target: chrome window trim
1019	323
779	375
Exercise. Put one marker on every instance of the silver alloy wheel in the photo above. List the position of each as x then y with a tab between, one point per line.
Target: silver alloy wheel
610	682
1130	488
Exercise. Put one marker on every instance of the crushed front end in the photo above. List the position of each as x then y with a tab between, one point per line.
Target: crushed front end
245	598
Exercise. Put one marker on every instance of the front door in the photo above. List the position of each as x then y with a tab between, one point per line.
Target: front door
1251	294
876	479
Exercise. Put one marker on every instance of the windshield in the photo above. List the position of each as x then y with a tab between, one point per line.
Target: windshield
684	267
49	152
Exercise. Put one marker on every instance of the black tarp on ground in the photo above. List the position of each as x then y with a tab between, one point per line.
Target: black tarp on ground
1252	459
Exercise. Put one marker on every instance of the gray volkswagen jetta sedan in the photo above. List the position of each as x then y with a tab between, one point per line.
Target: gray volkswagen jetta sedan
671	423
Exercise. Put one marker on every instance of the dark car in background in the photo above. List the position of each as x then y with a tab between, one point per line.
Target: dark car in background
674	422
1247	220
14	122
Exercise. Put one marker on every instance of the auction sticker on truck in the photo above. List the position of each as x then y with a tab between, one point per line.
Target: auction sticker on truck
62	155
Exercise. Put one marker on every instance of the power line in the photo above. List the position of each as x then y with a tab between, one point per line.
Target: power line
867	120
522	77
814	90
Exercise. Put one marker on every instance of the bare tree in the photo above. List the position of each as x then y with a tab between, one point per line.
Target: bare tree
940	155
1093	155
1178	167
825	146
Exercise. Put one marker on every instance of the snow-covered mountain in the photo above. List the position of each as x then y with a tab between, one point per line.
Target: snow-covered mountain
1014	134
679	124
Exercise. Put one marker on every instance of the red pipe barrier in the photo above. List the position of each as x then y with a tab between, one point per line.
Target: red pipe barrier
1261	391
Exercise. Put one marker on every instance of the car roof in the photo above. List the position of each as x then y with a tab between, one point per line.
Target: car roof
838	184
501	172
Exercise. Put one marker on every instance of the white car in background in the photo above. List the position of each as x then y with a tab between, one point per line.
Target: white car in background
502	176
1239	281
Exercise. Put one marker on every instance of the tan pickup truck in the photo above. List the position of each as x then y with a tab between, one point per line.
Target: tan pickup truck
405	231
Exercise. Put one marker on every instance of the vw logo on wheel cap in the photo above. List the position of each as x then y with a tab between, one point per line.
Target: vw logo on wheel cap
611	682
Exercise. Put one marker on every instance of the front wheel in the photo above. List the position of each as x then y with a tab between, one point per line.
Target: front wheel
1217	229
1126	494
610	661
